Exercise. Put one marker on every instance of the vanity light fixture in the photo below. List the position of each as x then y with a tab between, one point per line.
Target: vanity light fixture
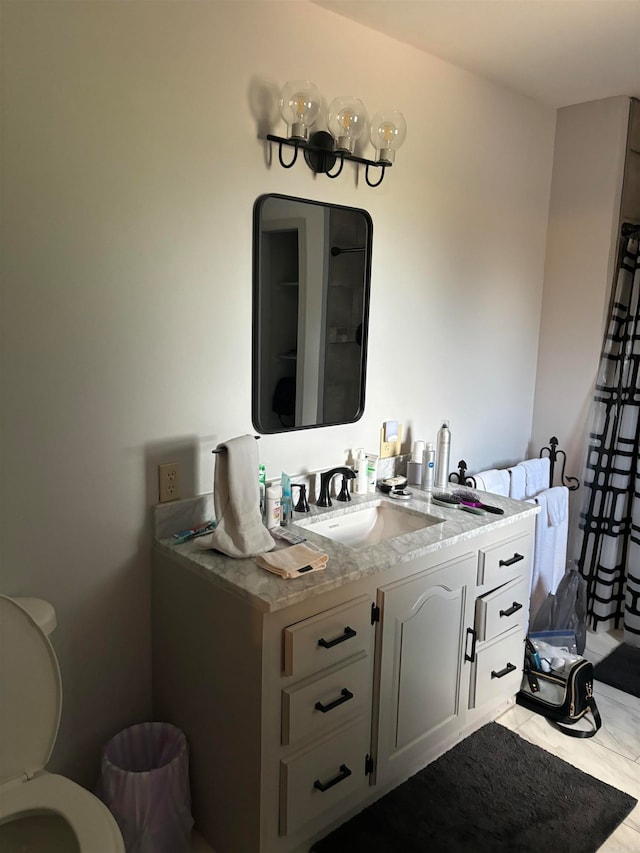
299	107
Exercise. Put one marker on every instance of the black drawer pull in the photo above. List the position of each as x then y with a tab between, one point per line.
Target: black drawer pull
342	775
345	695
513	609
329	644
515	559
508	668
470	656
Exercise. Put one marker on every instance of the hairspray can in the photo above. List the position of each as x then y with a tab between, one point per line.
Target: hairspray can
443	448
428	467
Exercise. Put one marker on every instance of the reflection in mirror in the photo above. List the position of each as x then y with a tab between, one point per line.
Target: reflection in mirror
311	276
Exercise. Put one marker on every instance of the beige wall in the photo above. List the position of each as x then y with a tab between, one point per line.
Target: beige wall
130	167
581	255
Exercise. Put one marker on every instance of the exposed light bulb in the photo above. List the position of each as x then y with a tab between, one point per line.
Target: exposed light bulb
346	119
387	132
299	107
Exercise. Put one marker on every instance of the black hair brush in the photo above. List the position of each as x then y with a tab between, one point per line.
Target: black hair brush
453	501
471	499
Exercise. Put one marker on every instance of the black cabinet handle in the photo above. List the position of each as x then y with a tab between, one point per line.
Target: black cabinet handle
515	559
513	609
329	644
345	695
471	657
342	775
508	668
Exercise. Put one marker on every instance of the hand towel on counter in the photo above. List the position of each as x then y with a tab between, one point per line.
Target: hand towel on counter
493	480
536	475
517	483
236	498
294	561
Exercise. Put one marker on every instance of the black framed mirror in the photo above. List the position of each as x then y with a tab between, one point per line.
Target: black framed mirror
311	280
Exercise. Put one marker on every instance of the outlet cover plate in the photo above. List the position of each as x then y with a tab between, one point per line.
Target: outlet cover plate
169	482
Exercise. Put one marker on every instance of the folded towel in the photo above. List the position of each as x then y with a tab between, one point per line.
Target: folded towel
517	483
494	481
236	497
557	504
536	474
294	561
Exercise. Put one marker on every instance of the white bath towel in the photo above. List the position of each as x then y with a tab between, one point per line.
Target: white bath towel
536	475
517	483
236	498
493	480
557	504
550	547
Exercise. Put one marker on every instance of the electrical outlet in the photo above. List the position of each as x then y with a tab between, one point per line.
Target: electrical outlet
169	482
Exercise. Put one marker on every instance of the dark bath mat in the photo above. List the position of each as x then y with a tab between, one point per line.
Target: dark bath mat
493	793
621	669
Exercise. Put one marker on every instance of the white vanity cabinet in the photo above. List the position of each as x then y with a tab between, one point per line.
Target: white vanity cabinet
501	619
423	677
302	710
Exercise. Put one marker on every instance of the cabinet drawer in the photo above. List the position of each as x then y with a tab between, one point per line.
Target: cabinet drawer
319	703
505	561
497	672
503	608
328	637
325	778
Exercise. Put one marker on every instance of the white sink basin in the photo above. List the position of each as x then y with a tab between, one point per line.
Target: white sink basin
372	524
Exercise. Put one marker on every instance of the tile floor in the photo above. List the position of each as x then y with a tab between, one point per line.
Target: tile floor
613	755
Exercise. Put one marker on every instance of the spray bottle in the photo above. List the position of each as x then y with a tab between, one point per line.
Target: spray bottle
443	449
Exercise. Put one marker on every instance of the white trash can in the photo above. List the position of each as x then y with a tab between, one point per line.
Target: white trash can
144	780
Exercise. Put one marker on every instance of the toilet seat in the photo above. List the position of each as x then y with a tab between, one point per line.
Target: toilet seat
29	718
91	821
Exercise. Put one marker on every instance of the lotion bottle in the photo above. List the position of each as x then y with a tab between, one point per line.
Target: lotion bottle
362	478
274	498
443	449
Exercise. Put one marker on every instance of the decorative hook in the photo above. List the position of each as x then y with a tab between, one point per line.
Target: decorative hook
379	181
282	163
335	174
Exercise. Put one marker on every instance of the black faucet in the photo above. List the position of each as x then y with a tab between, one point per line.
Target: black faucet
325	485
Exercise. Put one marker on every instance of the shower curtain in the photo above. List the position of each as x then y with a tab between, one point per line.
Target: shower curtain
609	545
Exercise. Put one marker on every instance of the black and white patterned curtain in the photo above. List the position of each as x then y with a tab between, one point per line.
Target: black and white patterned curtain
610	522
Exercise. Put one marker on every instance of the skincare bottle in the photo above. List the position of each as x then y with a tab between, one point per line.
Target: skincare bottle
285	502
362	479
274	496
372	471
262	480
414	466
443	449
428	467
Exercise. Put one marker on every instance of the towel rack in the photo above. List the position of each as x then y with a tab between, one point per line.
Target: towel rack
221	449
572	483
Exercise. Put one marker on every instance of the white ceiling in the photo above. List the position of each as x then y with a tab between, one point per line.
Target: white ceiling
559	52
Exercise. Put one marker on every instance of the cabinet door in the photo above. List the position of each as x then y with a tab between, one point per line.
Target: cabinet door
423	678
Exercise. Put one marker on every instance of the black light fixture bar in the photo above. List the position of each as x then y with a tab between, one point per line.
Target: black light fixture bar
320	155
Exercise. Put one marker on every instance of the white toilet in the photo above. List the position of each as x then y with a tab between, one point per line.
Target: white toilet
39	811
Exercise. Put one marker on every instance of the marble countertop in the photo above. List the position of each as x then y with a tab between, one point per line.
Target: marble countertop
268	592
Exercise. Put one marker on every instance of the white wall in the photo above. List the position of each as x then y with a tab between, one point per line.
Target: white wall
581	256
130	167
